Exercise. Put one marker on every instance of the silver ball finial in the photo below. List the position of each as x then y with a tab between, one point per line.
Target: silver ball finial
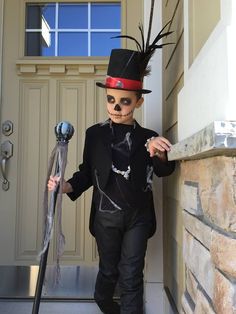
64	131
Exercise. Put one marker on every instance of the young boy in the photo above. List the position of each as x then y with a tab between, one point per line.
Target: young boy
118	161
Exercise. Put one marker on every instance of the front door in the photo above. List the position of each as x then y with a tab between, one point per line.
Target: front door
38	92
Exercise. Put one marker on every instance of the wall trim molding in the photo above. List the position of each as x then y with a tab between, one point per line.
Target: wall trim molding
62	66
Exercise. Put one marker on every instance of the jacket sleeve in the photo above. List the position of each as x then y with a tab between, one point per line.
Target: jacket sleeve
81	180
163	168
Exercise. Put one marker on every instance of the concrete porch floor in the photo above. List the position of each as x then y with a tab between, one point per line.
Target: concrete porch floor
74	295
71	307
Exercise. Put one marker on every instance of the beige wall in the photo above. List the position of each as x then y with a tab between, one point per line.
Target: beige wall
173	74
203	16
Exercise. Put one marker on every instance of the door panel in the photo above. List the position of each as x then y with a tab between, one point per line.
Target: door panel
37	118
72	102
32	159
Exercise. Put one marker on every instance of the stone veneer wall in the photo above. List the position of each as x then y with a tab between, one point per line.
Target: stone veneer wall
208	200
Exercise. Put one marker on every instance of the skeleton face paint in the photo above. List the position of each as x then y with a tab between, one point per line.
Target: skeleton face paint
121	105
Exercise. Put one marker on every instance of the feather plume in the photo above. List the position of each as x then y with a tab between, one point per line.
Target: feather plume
146	49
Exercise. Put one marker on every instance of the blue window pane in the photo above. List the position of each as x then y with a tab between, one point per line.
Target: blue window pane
102	43
72	44
48	12
33	16
105	16
35	45
73	16
50	50
34	13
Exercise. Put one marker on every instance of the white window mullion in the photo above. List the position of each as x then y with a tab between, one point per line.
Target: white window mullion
89	29
56	29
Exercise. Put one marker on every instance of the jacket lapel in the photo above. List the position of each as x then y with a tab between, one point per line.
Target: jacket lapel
137	138
106	137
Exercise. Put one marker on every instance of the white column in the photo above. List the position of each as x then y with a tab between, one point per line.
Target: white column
152	118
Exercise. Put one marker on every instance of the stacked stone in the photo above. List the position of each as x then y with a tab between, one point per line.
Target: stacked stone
208	201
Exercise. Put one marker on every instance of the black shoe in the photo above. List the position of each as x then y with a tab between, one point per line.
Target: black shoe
113	308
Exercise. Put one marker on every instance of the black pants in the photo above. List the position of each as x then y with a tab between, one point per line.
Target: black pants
122	241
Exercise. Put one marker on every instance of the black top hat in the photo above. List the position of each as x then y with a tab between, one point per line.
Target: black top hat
124	71
127	68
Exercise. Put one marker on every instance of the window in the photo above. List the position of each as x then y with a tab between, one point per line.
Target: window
72	29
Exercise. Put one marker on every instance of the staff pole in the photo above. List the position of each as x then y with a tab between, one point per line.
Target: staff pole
64	131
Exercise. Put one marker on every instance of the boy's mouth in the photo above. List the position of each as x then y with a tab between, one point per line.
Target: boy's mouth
120	115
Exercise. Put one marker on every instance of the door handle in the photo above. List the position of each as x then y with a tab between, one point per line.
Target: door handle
6	153
5	183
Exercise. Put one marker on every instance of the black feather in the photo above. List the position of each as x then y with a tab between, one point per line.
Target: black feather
146	49
150	23
162	45
130	37
142	36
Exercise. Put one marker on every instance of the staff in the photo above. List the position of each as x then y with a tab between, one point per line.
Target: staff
64	131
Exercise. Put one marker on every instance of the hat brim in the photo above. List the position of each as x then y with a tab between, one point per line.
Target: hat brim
143	91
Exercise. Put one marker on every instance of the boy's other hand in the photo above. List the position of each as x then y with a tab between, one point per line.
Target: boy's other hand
159	146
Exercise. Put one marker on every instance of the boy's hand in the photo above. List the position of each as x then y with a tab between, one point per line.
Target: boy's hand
53	182
159	146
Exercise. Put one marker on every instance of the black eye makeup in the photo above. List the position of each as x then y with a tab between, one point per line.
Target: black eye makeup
110	99
126	101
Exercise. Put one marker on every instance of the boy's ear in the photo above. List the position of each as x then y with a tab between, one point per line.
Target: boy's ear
139	102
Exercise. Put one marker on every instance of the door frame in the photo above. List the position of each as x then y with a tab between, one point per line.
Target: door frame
1	48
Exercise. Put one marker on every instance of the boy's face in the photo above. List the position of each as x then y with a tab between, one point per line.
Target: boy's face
121	105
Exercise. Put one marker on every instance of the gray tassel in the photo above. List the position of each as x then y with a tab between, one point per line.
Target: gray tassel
58	154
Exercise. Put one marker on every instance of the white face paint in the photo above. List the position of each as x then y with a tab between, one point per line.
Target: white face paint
127	102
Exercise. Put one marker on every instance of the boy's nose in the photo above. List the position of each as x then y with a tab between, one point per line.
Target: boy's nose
117	107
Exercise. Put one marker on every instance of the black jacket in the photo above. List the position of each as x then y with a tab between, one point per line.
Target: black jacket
97	165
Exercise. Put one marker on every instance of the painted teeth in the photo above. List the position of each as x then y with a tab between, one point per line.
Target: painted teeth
120	115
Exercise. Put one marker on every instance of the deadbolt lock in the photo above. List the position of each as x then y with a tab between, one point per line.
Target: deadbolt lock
7	128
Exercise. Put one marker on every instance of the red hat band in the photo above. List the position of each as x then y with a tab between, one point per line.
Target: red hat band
121	83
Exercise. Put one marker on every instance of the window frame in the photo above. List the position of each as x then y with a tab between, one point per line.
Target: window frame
58	30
